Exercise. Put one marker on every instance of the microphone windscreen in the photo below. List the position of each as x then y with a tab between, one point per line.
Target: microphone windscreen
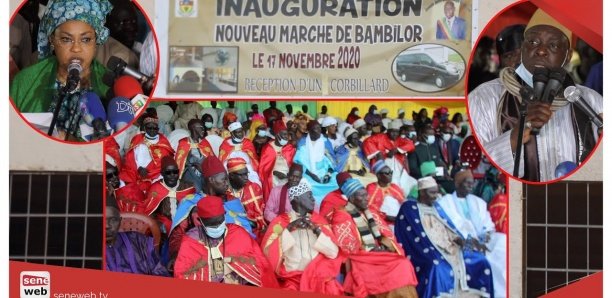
120	112
126	86
91	107
115	64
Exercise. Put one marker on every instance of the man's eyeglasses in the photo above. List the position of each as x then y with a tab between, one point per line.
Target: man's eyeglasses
113	220
389	173
111	175
171	172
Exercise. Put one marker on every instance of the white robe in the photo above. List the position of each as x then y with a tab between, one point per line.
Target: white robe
556	141
477	225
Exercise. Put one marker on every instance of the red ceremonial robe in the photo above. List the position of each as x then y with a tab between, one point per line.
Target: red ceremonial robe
155	196
183	148
266	165
246	146
370	272
382	143
129	173
240	252
252	200
331	202
377	193
130	198
498	208
111	148
320	274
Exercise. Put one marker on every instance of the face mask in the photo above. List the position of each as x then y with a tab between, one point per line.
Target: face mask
431	139
262	133
216	232
412	134
446	137
369	133
150	137
404	137
356	113
283	142
236	140
208	124
375	112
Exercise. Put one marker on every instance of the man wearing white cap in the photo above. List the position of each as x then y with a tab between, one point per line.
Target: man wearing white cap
362	128
448	264
385	120
236	145
352	159
302	247
565	132
330	130
393	150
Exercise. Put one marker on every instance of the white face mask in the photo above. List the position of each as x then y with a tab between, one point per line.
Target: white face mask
216	232
208	124
262	133
446	137
356	113
412	134
375	112
282	142
431	139
236	140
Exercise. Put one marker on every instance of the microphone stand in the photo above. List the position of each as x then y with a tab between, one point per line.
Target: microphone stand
526	94
62	95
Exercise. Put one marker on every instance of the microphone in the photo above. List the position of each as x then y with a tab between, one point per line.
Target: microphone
120	113
540	77
556	77
126	86
120	67
74	76
574	95
91	108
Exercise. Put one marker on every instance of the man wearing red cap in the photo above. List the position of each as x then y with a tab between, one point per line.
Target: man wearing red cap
143	158
130	198
221	252
392	149
276	158
216	184
237	145
302	246
191	151
164	195
248	192
335	199
278	201
384	195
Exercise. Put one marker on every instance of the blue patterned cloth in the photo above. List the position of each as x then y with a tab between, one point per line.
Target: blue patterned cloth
436	275
92	12
234	212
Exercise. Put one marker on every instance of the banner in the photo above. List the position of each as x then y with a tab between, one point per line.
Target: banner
341	48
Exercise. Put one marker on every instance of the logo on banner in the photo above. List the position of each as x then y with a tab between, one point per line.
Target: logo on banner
186	8
35	284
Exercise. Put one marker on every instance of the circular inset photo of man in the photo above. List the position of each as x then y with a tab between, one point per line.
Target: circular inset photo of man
428	68
81	70
535	93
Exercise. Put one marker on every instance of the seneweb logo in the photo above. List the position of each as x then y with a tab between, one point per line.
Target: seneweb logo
35	284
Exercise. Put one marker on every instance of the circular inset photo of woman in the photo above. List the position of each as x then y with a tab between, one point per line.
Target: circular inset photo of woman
428	68
81	70
535	93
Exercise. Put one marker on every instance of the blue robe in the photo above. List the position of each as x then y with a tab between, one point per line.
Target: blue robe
234	212
302	157
434	272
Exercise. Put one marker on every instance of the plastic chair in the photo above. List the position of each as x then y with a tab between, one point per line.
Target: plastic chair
141	223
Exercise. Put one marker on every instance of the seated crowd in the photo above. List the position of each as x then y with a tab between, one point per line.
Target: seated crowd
366	206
